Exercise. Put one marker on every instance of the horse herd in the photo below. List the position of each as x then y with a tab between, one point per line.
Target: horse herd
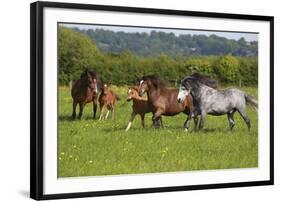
196	96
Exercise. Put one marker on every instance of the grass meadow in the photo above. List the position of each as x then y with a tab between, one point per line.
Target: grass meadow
90	147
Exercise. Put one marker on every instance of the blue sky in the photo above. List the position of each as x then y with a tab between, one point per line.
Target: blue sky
229	35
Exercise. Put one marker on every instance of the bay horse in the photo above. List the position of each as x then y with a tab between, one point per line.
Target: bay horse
83	91
216	102
140	106
164	100
107	100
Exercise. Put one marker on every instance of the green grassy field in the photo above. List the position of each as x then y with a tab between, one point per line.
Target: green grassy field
90	147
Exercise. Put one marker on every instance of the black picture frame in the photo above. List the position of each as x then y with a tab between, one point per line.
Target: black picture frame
36	99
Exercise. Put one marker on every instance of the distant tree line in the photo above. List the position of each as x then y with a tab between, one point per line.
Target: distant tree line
157	42
78	51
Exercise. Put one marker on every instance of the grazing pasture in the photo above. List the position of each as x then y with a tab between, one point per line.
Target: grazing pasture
90	147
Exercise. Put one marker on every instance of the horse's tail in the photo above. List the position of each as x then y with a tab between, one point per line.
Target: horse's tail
251	101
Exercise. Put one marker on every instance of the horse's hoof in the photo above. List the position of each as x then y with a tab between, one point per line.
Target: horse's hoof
185	130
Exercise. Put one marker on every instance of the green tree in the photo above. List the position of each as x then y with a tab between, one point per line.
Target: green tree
76	52
248	70
227	68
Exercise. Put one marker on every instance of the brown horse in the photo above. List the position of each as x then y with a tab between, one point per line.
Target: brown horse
83	91
107	101
164	100
140	106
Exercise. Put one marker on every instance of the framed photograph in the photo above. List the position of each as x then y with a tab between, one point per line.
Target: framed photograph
135	100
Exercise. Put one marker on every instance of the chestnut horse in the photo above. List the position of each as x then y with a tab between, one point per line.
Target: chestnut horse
140	106
164	100
83	91
107	101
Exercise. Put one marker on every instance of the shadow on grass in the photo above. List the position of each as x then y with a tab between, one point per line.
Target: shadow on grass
65	118
173	129
69	118
167	128
123	129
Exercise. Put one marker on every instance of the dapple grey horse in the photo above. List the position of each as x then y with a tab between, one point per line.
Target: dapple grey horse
216	102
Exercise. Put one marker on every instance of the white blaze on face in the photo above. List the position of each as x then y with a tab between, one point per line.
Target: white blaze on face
182	93
140	86
96	87
129	91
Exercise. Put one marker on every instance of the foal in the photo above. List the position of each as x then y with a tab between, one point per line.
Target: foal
140	106
107	101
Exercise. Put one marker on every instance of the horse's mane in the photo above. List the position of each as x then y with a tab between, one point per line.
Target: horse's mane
156	82
86	71
206	80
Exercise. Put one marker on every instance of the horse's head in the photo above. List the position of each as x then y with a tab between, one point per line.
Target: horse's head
143	87
184	90
105	88
132	93
91	82
150	82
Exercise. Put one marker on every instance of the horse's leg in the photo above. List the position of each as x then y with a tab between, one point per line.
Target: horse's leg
158	122
81	107
155	122
74	109
187	122
231	119
95	107
195	119
202	120
142	120
133	115
107	113
112	113
161	123
245	117
102	112
156	117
